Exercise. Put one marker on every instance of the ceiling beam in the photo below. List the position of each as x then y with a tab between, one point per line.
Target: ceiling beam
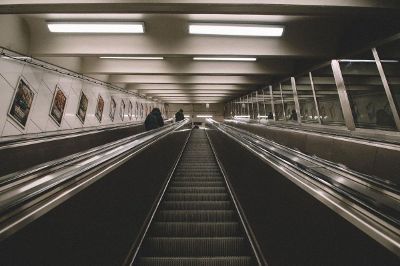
169	79
183	67
287	7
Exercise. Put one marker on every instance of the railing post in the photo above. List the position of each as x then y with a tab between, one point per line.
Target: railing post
343	97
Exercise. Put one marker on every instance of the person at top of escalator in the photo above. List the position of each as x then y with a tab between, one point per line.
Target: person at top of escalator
179	116
154	120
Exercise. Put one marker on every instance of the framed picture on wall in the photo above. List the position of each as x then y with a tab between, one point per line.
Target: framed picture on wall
113	106
130	110
22	103
58	105
122	110
99	108
82	107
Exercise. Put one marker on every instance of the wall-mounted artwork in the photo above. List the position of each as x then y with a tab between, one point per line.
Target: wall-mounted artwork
130	110
113	106
122	110
22	103
58	105
99	108
82	107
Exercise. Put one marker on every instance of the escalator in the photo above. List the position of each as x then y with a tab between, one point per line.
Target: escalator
196	222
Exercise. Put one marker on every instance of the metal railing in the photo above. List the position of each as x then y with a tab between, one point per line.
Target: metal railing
371	204
27	194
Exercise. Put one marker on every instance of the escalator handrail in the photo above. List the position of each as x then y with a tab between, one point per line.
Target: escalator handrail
47	166
14	199
34	138
379	229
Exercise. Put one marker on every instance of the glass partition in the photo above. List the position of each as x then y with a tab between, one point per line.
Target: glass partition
367	97
330	110
278	103
389	55
305	94
288	100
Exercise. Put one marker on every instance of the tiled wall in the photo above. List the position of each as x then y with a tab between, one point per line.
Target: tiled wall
43	83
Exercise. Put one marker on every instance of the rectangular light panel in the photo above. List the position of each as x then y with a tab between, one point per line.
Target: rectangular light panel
366	61
248	59
204	116
236	30
133	57
96	27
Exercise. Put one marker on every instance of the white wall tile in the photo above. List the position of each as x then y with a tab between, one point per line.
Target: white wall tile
10	129
51	79
11	70
33	128
33	76
41	107
6	93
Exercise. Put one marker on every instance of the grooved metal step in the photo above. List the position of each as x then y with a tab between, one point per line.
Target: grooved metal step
196	223
196	196
196	216
206	261
196	189
197	183
180	229
196	205
195	247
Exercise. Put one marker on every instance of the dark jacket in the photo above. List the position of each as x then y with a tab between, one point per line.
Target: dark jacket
151	121
179	116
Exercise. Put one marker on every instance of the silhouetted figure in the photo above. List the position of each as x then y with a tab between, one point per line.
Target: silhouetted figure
270	115
384	119
154	120
293	115
179	116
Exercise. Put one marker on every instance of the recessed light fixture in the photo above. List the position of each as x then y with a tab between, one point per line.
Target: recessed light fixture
225	59
366	61
236	29
96	27
133	57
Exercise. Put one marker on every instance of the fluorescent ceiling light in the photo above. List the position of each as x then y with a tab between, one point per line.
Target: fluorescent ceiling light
366	61
133	57
204	116
241	116
225	58
96	27
236	30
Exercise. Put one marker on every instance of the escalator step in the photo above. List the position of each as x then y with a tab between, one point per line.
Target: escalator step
196	205
196	183
179	229
195	247
196	216
183	261
196	189
198	179
197	196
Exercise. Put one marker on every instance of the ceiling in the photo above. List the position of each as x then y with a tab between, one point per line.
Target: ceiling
314	33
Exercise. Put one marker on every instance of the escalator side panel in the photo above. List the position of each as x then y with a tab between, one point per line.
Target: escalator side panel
292	227
22	157
98	225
